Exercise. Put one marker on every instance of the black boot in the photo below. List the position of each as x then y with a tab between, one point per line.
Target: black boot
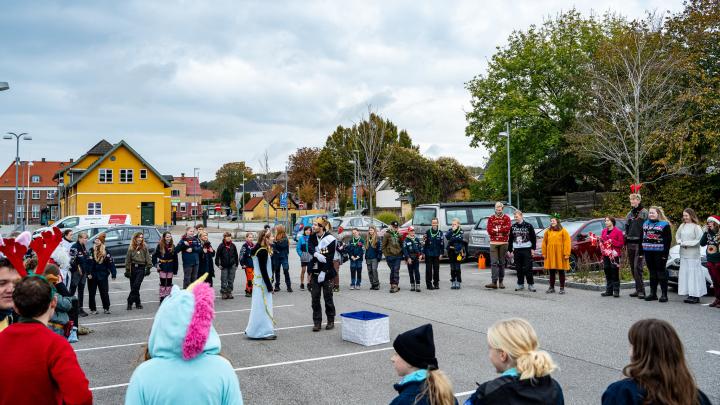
616	289
664	290
608	290
129	307
653	293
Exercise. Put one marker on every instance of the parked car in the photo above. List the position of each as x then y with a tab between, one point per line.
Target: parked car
673	267
118	239
585	241
232	217
75	221
404	229
480	240
469	214
342	226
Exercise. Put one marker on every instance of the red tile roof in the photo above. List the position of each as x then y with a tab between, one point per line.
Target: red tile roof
193	185
46	170
209	194
252	203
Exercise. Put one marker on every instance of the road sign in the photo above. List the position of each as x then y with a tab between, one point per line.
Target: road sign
355	196
283	200
218	208
302	205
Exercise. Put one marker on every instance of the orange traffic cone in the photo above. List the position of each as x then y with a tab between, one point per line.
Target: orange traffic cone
481	261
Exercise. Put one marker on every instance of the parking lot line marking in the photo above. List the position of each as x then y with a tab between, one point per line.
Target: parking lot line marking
463	394
145	319
284	363
89	349
147	302
714	352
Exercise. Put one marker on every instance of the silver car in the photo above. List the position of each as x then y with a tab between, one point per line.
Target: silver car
343	226
480	240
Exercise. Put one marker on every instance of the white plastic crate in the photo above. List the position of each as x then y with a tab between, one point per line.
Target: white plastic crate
366	328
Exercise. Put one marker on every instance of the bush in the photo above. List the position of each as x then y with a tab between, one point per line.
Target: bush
387	217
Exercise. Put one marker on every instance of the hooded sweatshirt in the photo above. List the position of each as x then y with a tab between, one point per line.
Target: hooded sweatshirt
184	344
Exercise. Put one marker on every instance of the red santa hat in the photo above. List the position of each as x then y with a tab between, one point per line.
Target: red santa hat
714	218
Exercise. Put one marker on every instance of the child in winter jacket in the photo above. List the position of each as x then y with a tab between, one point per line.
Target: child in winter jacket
412	251
247	263
190	247
207	259
303	252
226	257
356	251
60	322
373	254
433	248
183	343
455	252
165	260
281	251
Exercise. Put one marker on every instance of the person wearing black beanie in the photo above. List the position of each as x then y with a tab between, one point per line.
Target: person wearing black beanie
414	360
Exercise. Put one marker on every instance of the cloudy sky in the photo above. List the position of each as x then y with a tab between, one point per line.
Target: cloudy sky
198	83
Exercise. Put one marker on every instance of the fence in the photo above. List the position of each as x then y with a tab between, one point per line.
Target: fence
581	203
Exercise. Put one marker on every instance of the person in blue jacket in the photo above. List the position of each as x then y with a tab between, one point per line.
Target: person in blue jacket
658	372
281	251
184	344
455	252
101	266
190	247
433	248
303	251
356	251
414	360
373	254
412	251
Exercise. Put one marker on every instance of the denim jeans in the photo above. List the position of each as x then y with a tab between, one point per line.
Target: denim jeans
414	270
356	272
276	264
394	265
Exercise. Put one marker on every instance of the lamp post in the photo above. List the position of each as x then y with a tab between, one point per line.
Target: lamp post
4	86
29	194
196	174
506	134
318	179
25	137
241	211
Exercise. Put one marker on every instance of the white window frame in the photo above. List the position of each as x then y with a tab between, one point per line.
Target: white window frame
35	211
182	207
128	175
51	194
34	194
94	208
35	179
105	176
174	193
143	174
20	195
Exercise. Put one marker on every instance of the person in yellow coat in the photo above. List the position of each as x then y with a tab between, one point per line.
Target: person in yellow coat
556	252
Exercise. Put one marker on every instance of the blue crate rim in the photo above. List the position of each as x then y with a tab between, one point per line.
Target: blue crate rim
364	315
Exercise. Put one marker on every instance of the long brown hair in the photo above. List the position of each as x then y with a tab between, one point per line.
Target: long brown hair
658	364
280	233
263	241
372	240
99	251
693	216
438	389
162	246
135	245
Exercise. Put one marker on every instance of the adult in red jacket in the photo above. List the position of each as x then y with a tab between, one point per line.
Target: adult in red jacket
498	228
38	366
612	242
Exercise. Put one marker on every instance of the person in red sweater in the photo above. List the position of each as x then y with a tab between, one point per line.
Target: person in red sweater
498	228
38	366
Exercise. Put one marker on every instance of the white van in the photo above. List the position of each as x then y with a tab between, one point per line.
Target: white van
75	221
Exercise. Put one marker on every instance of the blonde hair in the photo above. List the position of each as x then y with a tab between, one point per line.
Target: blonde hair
99	251
635	196
322	221
372	239
518	339
661	213
438	389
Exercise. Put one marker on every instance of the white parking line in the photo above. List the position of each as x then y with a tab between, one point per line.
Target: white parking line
284	363
464	394
714	352
146	302
145	319
89	349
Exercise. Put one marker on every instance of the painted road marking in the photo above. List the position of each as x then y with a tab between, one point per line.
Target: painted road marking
464	394
714	352
89	349
284	363
145	319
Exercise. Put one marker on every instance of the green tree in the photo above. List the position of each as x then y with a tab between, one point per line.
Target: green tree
535	84
303	165
230	175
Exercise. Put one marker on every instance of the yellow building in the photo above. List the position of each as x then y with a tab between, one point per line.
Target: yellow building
115	179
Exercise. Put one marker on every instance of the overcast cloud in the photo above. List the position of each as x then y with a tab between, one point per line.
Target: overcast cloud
198	83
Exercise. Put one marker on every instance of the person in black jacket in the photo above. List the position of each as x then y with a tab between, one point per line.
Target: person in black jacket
412	252
281	251
524	369
101	266
433	247
79	269
165	260
521	244
207	255
657	237
634	222
190	247
658	372
455	252
322	272
227	258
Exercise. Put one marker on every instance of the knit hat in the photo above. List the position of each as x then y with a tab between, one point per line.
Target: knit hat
417	347
714	218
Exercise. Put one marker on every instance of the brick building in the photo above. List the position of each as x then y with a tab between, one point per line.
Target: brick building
37	194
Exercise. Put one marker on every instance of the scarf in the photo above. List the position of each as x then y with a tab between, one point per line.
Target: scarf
635	211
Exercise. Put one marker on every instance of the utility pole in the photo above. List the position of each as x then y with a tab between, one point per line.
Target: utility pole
318	179
196	174
25	137
506	134
287	198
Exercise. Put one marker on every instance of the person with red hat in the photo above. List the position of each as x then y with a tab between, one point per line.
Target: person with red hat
711	239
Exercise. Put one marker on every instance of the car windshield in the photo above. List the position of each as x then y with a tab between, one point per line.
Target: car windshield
571	227
423	216
336	223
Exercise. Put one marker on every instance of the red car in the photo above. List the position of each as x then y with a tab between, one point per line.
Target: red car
404	229
585	236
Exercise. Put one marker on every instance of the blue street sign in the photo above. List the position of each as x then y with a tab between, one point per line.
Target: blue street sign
283	200
355	196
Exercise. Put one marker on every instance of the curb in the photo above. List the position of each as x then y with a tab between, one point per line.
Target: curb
589	287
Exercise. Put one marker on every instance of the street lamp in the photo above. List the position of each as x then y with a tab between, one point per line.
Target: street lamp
506	134
29	194
318	179
25	137
4	86
196	174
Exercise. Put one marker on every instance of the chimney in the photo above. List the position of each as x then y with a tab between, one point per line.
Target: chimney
43	160
71	160
182	175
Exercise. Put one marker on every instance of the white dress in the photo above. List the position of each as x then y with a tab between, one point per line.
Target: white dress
691	280
261	322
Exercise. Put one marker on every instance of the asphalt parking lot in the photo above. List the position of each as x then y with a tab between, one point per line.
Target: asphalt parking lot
584	333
